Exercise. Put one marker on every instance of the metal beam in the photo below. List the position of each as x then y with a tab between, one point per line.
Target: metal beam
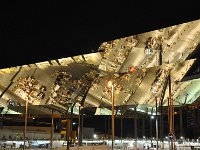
50	62
58	62
83	57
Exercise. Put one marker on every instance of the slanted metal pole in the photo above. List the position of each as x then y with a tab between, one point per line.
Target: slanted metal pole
171	130
52	130
25	125
151	129
156	123
181	122
160	50
135	127
151	126
79	122
143	126
80	127
105	127
161	123
113	121
70	127
70	132
121	125
67	132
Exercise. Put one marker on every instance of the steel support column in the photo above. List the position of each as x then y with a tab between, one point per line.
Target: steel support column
25	125
181	122
135	127
151	134
80	134
71	118
52	129
150	119
121	124
156	123
113	119
171	111
143	126
105	128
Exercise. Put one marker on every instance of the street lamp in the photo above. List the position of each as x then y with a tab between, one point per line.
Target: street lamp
110	84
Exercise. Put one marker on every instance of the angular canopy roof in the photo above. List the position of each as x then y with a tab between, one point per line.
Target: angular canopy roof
134	65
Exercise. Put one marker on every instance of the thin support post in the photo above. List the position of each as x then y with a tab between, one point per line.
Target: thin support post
121	126
25	125
52	130
171	111
105	128
70	132
143	126
151	131
150	119
161	123
80	127
181	122
79	123
135	127
156	123
113	121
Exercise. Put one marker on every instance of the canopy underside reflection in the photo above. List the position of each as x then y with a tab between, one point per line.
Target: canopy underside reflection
133	63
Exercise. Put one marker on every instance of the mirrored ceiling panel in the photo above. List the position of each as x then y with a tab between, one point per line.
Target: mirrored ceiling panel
168	45
138	66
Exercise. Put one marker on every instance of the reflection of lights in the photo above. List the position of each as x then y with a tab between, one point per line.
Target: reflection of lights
144	137
28	88
62	94
110	84
152	117
33	118
74	123
159	80
181	137
95	136
131	144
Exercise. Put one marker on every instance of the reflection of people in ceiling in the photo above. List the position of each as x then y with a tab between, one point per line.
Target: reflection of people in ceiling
151	44
148	52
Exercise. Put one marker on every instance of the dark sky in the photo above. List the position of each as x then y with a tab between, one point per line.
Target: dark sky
32	32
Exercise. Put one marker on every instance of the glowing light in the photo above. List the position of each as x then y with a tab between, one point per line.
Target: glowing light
131	144
95	136
110	84
152	117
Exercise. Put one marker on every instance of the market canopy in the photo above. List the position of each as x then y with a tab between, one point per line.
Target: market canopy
138	66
